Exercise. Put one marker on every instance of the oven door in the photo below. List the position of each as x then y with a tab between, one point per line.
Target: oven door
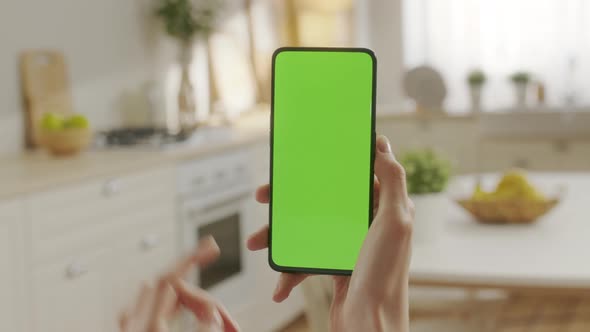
229	220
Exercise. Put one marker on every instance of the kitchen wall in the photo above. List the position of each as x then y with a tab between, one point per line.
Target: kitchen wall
110	46
379	27
113	45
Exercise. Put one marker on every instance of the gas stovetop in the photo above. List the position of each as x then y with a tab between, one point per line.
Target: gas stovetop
148	136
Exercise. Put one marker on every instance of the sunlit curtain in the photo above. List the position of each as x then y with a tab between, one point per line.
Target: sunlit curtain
548	38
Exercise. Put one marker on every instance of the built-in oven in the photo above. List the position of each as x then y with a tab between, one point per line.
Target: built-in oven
217	199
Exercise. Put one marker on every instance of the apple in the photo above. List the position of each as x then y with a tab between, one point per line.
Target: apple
76	121
52	122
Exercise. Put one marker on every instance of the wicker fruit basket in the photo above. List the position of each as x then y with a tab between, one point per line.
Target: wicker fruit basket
66	142
508	211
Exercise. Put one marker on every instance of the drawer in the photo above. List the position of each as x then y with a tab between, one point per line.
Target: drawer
68	295
99	231
58	211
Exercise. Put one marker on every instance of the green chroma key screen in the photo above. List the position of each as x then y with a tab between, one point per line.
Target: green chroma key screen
321	150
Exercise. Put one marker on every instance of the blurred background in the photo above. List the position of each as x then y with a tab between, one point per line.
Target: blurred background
130	129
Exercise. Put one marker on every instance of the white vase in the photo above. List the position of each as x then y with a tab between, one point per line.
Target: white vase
186	92
430	216
520	90
475	97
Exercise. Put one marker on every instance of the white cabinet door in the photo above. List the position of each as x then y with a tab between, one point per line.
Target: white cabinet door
11	295
68	295
139	257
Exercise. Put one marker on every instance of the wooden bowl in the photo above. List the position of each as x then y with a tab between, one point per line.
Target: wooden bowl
508	211
66	142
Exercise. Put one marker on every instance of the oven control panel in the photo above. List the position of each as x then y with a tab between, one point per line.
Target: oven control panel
214	174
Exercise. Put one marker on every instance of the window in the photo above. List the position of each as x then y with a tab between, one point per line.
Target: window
548	38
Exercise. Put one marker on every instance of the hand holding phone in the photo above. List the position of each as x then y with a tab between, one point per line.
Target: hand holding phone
375	297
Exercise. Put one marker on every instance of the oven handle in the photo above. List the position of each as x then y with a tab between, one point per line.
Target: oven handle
219	204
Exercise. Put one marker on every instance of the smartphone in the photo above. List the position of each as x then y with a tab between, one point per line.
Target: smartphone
322	151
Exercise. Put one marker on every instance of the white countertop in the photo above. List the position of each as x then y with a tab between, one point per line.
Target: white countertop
36	171
553	253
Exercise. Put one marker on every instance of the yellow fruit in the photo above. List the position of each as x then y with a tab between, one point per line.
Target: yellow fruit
480	195
515	185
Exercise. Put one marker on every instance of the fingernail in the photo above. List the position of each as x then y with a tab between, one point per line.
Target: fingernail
383	144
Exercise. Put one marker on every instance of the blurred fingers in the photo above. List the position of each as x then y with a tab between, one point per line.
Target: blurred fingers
203	306
286	283
144	300
207	252
263	194
258	240
164	302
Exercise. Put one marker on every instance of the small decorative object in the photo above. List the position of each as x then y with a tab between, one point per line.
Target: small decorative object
186	22
514	201
64	136
540	94
427	176
427	88
476	79
521	80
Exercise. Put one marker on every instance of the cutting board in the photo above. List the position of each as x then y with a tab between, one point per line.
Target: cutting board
45	88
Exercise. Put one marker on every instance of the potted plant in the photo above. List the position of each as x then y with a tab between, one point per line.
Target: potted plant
186	21
520	79
427	176
476	79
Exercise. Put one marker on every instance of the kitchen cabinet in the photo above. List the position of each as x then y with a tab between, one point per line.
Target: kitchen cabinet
534	156
11	267
456	139
579	156
92	243
538	155
471	150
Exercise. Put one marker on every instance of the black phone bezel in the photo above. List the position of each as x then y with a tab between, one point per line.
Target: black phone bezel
290	269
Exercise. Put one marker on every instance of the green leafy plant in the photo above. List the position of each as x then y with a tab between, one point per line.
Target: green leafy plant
476	77
520	77
426	172
183	19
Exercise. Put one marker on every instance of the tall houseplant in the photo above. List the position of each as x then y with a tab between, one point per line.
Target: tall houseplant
427	176
185	21
476	80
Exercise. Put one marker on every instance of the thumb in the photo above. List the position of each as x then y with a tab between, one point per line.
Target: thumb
391	175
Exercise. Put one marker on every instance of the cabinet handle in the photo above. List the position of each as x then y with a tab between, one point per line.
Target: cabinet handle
75	270
198	181
150	242
111	187
220	175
